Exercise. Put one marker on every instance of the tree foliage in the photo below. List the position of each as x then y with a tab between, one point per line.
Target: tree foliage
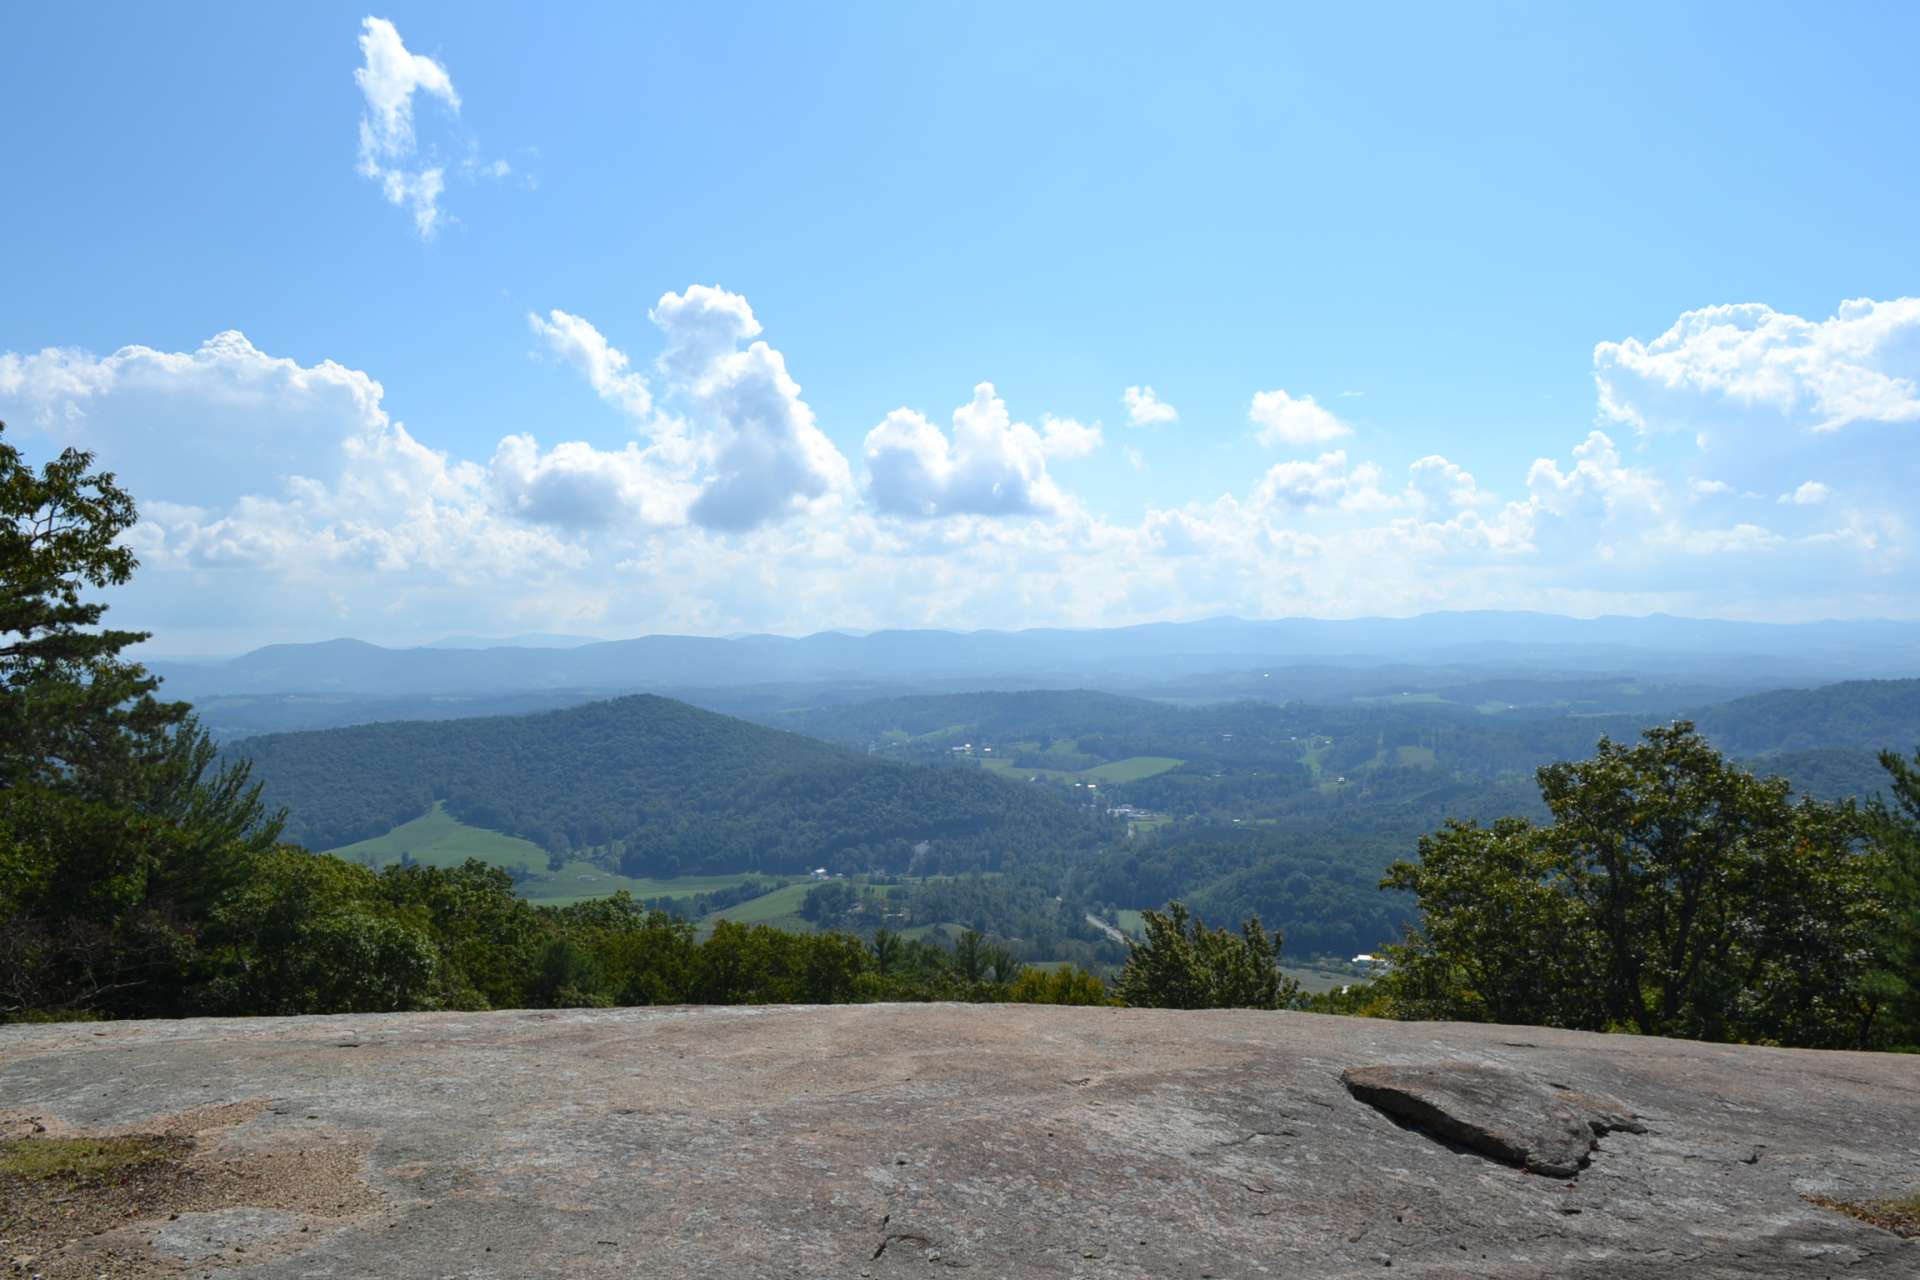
118	830
1895	825
1672	893
656	787
1183	964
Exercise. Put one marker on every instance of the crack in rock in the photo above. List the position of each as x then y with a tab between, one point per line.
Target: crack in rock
895	1237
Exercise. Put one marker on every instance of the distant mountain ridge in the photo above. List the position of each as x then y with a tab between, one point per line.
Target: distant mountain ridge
1657	644
535	640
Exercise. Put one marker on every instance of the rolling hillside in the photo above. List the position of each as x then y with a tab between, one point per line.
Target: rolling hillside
1855	714
657	787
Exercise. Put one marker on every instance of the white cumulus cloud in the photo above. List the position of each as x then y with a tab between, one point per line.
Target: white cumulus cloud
575	486
1858	365
285	498
1437	484
1810	494
1326	481
576	341
766	457
1294	420
1145	409
991	466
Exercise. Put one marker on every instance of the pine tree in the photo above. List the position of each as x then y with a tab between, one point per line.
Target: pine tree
117	829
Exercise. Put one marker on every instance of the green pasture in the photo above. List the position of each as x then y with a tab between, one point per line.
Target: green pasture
438	839
920	932
782	906
1131	769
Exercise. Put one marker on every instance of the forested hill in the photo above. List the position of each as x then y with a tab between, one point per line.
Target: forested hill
1856	713
659	788
1001	714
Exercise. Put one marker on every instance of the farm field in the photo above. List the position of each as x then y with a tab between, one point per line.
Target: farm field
920	932
438	839
1132	769
1317	981
781	907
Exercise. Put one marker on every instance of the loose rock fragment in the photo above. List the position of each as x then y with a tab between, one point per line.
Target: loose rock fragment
1500	1113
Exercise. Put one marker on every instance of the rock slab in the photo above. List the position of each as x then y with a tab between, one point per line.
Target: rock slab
1505	1114
996	1141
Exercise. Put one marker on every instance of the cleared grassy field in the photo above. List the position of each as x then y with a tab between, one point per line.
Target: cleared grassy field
781	907
438	839
1314	756
1317	981
1132	769
582	881
919	932
1006	769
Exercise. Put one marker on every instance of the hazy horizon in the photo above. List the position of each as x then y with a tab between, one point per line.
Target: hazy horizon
454	643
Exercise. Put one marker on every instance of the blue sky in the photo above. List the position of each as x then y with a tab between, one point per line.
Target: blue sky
1462	233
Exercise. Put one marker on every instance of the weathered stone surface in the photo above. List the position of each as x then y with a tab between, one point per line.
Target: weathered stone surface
195	1237
1501	1113
1001	1140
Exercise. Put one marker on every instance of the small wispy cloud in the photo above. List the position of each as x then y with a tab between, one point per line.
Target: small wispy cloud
410	176
1145	408
1810	494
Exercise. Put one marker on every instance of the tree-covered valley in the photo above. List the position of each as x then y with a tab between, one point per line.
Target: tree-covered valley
1515	848
1077	802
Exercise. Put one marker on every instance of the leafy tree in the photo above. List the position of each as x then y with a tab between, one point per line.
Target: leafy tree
69	706
1183	964
313	935
567	975
1068	984
117	830
828	901
1896	828
484	935
976	959
886	950
1500	941
1673	894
